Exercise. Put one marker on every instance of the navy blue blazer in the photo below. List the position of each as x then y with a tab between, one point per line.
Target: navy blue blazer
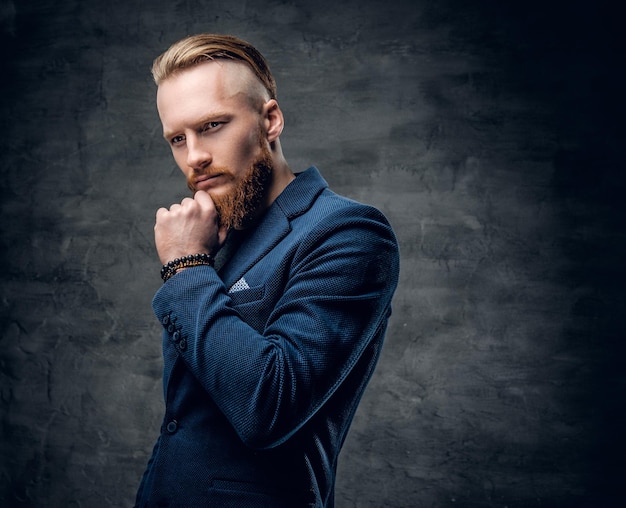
266	360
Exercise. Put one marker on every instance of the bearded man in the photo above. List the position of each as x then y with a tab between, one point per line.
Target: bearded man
276	296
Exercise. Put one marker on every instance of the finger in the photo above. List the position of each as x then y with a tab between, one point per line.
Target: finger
160	212
203	198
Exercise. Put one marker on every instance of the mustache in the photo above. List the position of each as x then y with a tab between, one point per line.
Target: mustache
210	172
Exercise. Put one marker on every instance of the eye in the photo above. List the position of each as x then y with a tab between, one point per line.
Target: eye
177	140
209	126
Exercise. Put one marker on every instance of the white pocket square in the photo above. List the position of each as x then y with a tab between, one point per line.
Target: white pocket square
240	285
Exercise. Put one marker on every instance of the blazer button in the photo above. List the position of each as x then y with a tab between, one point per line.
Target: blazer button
172	426
170	328
182	345
166	320
175	336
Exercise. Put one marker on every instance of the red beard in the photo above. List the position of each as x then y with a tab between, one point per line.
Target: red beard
238	208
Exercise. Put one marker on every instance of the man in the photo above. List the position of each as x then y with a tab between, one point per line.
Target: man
276	297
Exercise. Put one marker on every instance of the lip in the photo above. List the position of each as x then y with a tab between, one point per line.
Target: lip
205	182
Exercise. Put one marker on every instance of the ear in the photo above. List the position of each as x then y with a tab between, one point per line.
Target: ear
273	120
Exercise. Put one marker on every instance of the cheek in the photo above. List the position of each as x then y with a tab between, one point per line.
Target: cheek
251	146
239	158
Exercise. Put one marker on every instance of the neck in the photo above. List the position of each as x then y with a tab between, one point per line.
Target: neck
281	177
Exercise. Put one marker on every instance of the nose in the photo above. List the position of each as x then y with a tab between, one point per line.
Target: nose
198	155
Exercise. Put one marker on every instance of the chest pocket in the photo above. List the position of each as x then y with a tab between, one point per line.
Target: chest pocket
250	305
240	294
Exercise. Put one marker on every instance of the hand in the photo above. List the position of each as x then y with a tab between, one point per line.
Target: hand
190	227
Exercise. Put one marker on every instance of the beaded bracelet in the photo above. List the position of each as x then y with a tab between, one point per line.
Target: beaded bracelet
170	268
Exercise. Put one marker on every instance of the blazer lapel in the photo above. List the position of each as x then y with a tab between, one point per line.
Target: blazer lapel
295	200
271	230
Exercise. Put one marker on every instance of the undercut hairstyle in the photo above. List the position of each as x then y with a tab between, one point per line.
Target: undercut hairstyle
196	49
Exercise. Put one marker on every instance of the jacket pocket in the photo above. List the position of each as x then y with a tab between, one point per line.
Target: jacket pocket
248	295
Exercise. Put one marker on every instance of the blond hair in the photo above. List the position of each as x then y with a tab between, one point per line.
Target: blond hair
196	49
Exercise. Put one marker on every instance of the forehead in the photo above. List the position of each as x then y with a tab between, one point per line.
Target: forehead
215	80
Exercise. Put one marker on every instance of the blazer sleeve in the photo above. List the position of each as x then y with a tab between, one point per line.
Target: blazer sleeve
336	300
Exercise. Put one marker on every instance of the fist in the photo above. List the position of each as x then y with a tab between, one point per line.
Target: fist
190	227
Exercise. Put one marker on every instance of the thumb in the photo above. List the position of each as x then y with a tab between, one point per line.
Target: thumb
221	235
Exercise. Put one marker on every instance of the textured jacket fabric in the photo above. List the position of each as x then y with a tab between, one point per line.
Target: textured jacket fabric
265	360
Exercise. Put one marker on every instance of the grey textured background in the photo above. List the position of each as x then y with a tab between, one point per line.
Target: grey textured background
491	135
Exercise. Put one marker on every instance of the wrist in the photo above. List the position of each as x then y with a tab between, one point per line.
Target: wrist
170	268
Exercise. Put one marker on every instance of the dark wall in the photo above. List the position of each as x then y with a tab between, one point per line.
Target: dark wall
490	134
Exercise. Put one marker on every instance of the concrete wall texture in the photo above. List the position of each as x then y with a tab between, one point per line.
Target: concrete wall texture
490	133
